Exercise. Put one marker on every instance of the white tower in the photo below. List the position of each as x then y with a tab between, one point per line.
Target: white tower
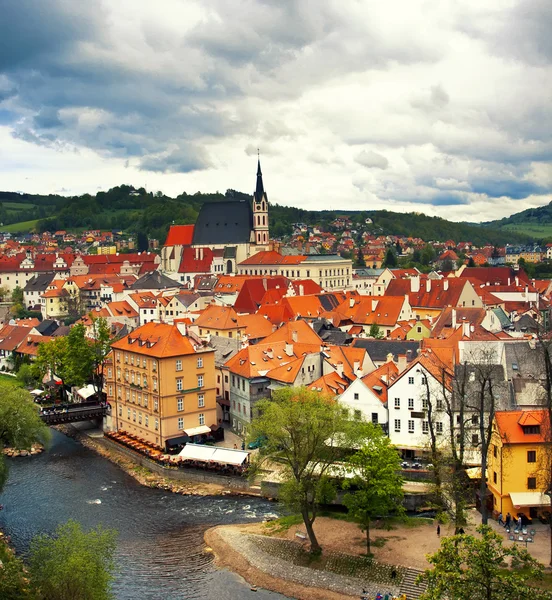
260	211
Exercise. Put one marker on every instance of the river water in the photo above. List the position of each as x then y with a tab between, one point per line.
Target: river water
160	550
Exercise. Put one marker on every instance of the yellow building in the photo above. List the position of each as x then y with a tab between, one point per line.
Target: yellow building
161	385
219	321
107	249
515	473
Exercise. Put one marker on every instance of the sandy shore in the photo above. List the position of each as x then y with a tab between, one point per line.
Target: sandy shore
227	557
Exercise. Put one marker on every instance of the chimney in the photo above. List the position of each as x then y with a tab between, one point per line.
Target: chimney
466	329
415	284
181	328
201	254
453	318
294	336
351	302
374	305
356	367
289	349
196	253
517	280
408	356
445	284
301	289
508	281
389	358
270	353
339	369
401	362
428	285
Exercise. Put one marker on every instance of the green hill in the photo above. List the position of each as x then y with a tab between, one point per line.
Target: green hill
136	210
535	222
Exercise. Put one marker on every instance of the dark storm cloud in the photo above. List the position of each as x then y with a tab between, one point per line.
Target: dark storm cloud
510	188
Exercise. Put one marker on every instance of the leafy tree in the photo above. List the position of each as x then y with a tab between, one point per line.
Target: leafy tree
375	332
28	374
73	563
447	265
467	567
306	432
142	241
14	581
79	360
4	292
20	424
100	346
471	262
17	295
427	255
377	484
390	258
51	359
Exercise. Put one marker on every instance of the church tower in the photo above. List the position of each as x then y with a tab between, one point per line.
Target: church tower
260	211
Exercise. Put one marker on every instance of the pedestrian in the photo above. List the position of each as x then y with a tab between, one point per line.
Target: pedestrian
520	524
235	446
508	520
438	530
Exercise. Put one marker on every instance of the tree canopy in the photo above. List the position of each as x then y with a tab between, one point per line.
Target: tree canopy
377	485
306	432
468	567
73	563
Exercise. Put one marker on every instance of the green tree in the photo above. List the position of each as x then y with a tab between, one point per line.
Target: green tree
377	483
375	332
14	581
73	564
28	374
468	567
17	295
471	262
100	346
360	262
79	359
142	243
20	424
427	255
306	432
390	258
51	359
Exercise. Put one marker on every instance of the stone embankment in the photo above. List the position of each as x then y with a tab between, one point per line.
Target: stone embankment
141	474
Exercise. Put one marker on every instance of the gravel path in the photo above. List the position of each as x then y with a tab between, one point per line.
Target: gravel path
253	547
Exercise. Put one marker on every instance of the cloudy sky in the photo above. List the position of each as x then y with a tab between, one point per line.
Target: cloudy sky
442	107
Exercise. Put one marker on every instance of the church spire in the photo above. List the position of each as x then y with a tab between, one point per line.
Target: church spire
259	190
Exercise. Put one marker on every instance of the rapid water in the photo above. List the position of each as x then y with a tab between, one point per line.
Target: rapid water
160	551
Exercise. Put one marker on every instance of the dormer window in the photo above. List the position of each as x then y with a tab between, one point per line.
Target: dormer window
530	429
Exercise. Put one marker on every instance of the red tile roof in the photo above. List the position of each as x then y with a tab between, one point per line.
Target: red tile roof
156	339
180	235
510	425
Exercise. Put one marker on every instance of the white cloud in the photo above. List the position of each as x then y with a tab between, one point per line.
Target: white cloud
351	106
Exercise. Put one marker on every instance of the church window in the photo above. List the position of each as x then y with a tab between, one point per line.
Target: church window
264	220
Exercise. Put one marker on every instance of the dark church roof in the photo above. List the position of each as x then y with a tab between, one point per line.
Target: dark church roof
225	222
259	190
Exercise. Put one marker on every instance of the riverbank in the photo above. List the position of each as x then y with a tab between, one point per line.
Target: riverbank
142	474
234	550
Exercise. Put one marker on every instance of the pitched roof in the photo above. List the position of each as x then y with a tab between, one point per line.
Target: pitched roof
379	349
271	257
11	336
180	235
154	280
369	310
442	292
493	275
29	345
346	356
218	317
224	222
196	260
295	332
378	381
160	340
331	384
510	425
254	290
256	326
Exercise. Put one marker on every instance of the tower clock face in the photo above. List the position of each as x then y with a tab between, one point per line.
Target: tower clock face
258	207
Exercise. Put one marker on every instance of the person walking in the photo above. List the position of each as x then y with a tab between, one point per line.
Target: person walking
508	520
500	520
438	530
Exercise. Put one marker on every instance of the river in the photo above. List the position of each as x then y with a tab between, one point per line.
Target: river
160	550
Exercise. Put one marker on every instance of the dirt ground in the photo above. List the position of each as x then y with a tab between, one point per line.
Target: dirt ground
403	545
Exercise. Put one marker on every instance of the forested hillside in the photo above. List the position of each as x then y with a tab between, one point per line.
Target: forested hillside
127	208
536	222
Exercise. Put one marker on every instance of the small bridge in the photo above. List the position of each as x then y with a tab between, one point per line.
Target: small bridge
72	414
